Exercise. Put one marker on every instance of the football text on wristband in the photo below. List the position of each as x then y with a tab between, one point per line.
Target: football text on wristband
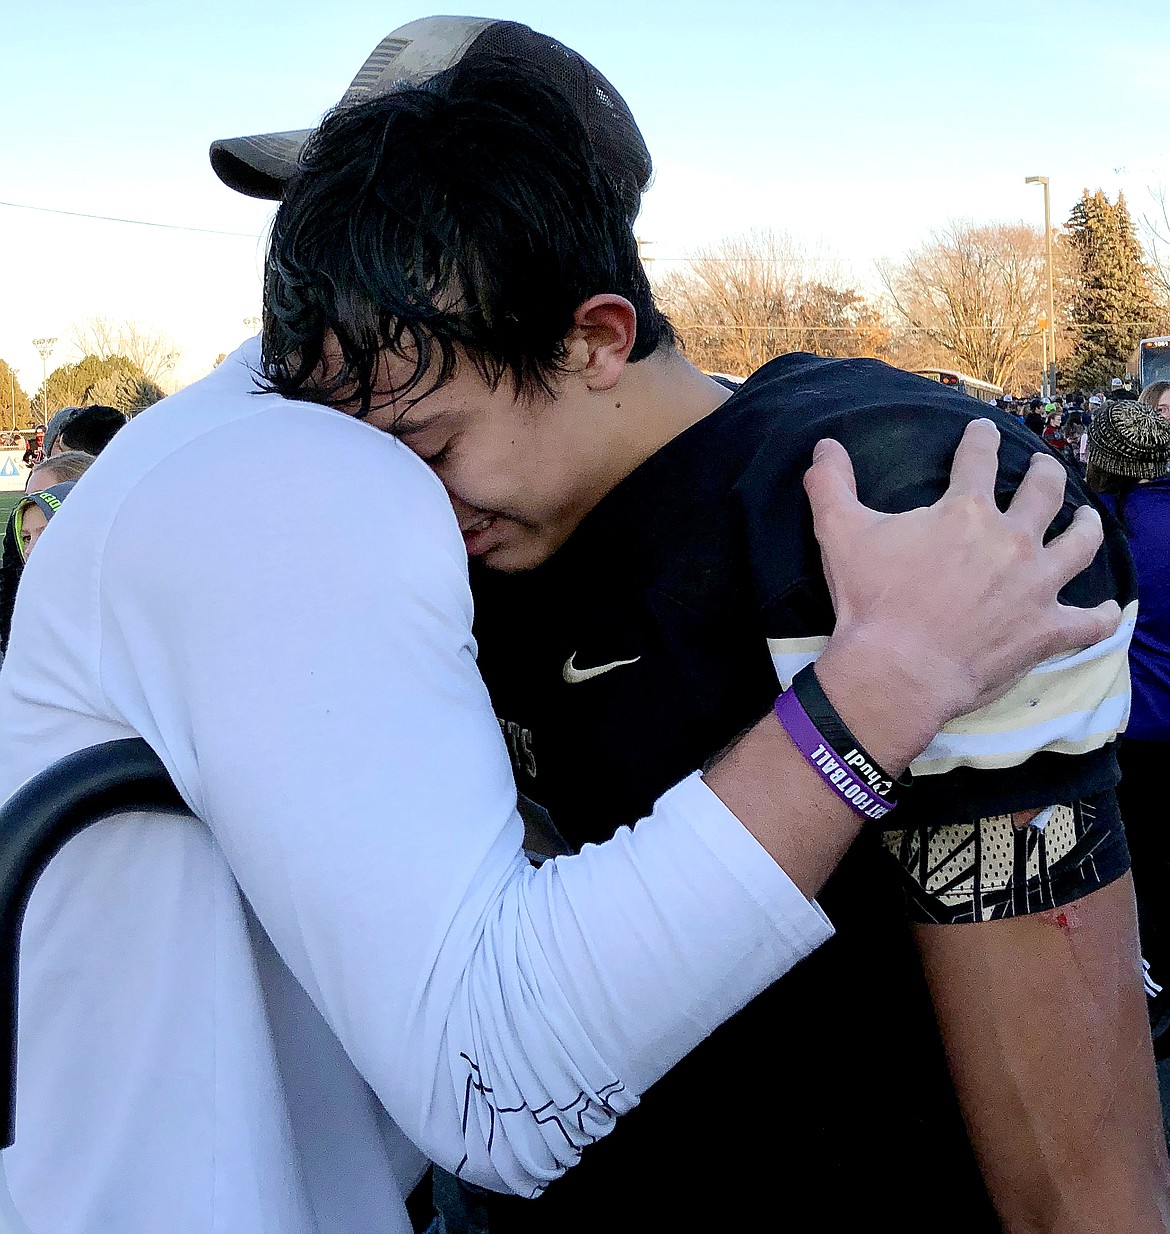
824	739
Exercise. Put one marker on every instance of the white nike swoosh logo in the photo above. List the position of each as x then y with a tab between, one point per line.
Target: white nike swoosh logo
574	675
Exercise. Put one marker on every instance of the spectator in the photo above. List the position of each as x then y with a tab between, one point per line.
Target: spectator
1053	431
71	465
34	449
1129	454
82	428
1034	418
24	528
1120	390
1157	395
1076	436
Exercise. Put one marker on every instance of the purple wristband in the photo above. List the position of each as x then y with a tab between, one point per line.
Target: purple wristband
826	761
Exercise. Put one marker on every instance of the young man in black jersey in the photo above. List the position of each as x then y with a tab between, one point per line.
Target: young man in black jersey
647	575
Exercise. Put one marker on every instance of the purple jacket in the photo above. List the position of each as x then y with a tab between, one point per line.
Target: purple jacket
1147	519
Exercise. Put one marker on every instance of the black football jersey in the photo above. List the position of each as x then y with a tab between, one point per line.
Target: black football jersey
660	631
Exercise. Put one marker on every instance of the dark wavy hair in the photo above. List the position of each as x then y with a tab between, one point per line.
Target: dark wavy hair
92	428
467	217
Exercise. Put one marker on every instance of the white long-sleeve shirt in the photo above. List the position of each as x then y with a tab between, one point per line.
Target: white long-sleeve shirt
247	1023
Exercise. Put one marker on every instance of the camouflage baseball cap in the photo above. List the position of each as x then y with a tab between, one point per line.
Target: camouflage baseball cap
261	165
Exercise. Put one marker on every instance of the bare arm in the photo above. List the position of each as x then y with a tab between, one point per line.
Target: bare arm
1045	1029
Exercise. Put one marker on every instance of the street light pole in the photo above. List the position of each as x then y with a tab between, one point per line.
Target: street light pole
1050	373
45	347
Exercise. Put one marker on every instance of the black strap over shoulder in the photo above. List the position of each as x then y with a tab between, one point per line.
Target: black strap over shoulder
116	777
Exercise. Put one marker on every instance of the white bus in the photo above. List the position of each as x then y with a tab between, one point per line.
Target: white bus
982	390
1152	362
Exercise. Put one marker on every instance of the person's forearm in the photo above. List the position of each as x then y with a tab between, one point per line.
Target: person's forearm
771	788
597	973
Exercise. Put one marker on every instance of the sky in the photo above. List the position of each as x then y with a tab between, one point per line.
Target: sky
859	128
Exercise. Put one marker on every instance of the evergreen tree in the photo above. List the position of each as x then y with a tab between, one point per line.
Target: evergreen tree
128	392
69	385
1112	303
10	390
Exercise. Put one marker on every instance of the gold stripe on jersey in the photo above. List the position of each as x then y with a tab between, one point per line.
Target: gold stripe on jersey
1069	705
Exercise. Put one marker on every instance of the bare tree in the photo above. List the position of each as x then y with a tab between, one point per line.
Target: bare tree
1156	227
974	294
152	353
754	297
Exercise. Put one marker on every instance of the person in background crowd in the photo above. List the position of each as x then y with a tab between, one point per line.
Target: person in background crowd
22	531
1096	402
1053	432
1075	432
1121	389
89	429
34	449
1129	456
1157	395
1034	419
71	465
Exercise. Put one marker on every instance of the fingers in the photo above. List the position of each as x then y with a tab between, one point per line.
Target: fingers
976	461
1082	627
1071	552
831	485
831	458
1040	495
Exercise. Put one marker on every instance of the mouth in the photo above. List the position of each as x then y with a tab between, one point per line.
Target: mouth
477	524
479	534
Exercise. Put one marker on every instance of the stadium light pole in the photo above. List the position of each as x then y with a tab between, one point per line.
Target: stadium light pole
1050	368
45	347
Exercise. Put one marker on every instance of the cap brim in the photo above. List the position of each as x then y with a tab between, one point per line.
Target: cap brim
258	166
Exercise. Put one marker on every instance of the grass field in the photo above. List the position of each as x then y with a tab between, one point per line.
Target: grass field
8	504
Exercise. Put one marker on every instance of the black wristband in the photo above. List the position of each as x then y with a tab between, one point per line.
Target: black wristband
851	753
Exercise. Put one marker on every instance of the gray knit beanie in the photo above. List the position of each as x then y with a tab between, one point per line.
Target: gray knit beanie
1131	440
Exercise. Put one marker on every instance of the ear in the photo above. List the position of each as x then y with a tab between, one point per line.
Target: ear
600	342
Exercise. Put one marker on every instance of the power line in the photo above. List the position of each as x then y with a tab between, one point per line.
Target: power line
793	328
109	218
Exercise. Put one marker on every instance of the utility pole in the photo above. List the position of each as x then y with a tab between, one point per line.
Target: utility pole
1050	368
45	347
1042	322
